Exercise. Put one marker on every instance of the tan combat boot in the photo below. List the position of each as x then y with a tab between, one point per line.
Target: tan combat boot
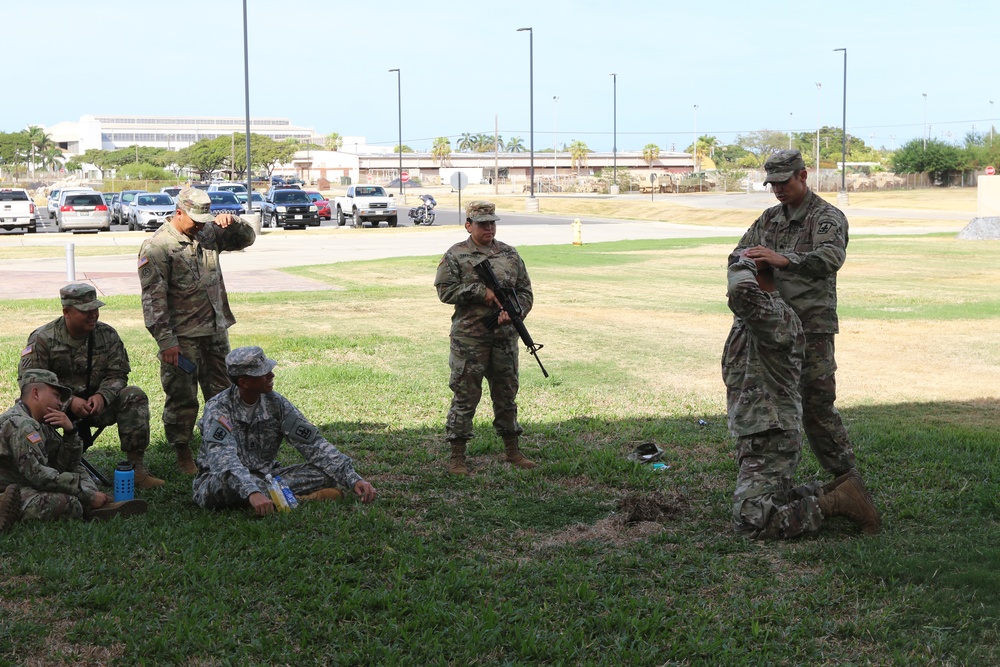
849	498
10	507
514	455
113	509
185	461
143	479
457	464
323	494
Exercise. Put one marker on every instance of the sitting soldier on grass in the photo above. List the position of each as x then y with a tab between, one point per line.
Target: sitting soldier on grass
40	470
761	365
242	430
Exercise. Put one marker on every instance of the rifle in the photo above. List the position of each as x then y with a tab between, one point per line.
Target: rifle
83	426
508	299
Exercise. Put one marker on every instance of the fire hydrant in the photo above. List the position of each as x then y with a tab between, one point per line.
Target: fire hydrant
577	232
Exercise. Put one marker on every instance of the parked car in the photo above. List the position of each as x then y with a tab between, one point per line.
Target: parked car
82	210
52	204
256	200
231	187
173	191
289	208
17	210
224	201
150	210
322	204
119	214
109	197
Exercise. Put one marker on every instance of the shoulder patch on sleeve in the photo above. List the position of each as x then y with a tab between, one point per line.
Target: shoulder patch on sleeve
28	350
34	438
225	422
219	430
143	261
298	428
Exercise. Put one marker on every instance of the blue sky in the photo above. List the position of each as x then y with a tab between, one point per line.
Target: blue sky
324	64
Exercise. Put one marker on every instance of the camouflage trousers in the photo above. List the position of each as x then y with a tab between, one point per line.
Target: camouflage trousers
48	506
180	409
821	421
130	411
216	490
765	505
471	360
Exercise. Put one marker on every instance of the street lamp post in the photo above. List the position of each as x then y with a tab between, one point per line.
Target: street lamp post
925	120
694	146
399	105
819	87
555	140
614	140
531	106
991	123
790	129
246	93
843	148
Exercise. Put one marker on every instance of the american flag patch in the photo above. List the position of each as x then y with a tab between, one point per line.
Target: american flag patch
34	438
28	350
142	261
225	422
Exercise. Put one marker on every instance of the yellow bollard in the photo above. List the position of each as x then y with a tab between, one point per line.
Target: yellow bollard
577	233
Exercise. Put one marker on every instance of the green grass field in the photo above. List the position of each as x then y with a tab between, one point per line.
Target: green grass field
544	567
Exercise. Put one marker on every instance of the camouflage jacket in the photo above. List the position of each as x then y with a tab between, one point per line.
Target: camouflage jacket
762	359
816	247
36	456
52	348
183	293
457	282
229	444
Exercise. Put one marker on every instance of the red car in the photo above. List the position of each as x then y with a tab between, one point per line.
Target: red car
322	203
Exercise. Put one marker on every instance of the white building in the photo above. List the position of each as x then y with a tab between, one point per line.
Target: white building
171	132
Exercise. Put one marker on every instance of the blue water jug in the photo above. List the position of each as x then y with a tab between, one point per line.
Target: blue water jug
124	481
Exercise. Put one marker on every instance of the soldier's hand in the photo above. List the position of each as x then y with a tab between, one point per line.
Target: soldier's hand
79	407
169	355
224	220
776	260
56	417
96	404
100	499
261	504
492	300
364	491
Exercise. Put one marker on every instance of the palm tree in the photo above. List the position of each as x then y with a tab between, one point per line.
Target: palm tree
650	153
578	154
515	145
51	158
441	149
39	140
334	142
483	143
466	142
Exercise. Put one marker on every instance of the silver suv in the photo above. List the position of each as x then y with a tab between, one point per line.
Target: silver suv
82	210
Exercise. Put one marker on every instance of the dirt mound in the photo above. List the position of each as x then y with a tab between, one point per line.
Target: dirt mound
654	507
981	229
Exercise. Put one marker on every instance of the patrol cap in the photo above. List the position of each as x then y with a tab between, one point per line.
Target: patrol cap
249	361
35	375
480	210
80	296
782	165
196	203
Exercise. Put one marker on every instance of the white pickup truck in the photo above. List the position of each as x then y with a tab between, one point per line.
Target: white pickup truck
366	203
17	210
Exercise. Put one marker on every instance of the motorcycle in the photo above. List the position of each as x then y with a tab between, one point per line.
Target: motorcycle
423	214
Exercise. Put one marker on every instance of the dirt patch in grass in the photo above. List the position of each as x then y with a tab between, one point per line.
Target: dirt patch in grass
638	517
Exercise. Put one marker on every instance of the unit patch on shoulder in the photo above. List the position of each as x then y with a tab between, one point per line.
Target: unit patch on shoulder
28	350
824	227
34	438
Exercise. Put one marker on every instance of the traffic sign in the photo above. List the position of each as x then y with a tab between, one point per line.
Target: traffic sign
459	180
990	171
404	176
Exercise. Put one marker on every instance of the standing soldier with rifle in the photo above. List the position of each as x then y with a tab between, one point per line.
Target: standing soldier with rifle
484	337
89	357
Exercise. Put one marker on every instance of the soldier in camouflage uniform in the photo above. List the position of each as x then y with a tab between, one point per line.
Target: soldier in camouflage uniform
89	357
241	431
186	309
761	365
805	239
477	351
43	467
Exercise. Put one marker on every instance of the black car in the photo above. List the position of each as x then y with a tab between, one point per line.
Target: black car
288	208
